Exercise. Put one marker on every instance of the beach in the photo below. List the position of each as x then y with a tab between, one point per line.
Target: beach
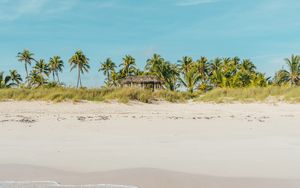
159	145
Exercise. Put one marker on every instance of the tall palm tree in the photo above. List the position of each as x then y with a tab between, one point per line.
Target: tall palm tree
81	62
15	77
27	57
128	66
56	65
292	75
42	68
107	67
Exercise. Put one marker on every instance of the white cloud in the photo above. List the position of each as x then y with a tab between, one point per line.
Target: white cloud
11	10
194	2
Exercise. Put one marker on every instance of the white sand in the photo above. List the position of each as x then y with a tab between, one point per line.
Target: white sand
224	140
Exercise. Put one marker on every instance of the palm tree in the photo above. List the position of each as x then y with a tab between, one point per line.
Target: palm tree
216	74
107	67
236	61
191	78
203	70
229	70
15	77
42	68
81	62
260	80
115	78
292	75
27	57
36	79
245	75
190	74
247	66
154	64
128	65
170	74
56	65
185	63
4	81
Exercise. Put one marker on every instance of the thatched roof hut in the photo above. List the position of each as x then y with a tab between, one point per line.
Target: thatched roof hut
144	81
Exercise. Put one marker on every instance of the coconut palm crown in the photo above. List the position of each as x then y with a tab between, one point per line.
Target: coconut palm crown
27	57
107	67
292	74
56	65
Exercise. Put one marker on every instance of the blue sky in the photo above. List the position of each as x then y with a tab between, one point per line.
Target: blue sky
264	30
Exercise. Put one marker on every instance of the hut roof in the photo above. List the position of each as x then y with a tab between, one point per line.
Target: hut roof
146	79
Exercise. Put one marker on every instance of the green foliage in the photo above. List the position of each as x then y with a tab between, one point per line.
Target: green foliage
290	76
108	68
190	75
128	67
56	65
163	70
26	57
221	79
80	62
11	80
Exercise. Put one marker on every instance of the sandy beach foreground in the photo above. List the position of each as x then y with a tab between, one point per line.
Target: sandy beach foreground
152	145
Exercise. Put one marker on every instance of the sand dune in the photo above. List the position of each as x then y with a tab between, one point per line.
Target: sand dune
91	142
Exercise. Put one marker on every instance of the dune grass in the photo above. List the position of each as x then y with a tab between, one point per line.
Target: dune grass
255	94
124	95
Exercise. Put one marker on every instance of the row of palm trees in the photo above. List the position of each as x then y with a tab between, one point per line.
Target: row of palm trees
200	74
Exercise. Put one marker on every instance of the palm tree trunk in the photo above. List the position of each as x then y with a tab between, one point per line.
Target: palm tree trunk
80	82
53	76
78	78
108	79
57	77
26	70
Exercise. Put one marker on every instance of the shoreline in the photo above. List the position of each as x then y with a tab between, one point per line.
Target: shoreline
138	177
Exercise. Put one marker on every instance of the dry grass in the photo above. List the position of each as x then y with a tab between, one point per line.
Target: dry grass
272	93
124	95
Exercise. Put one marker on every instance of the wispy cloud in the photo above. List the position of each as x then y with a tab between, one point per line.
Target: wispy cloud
194	2
12	10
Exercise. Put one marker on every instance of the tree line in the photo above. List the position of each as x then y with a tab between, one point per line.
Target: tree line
201	74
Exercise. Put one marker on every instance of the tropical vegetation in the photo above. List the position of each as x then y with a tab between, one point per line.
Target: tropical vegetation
191	77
